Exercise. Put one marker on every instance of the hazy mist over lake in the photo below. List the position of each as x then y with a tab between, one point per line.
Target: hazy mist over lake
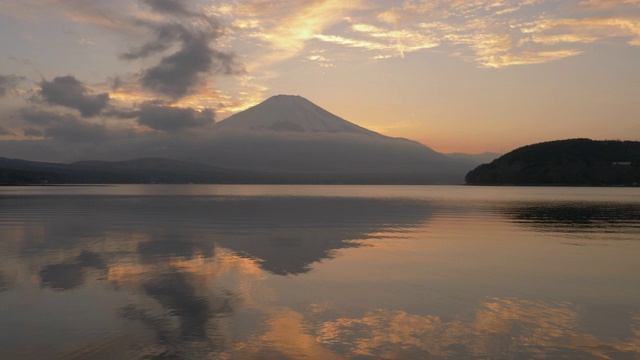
319	272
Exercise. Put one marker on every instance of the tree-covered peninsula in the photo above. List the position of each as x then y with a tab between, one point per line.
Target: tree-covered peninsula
564	162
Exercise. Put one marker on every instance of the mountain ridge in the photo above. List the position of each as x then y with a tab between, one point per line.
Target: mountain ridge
170	171
290	133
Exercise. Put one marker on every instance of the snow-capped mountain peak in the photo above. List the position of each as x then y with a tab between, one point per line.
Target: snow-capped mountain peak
290	113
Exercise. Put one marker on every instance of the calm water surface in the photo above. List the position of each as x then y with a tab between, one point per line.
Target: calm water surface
319	272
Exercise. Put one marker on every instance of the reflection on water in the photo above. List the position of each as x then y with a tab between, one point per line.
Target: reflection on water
69	275
194	313
284	234
318	277
503	328
576	216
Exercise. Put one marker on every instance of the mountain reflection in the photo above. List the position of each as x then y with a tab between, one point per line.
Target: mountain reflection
239	277
287	235
575	216
185	255
284	234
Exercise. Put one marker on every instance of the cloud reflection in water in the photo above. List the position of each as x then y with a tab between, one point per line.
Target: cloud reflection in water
232	276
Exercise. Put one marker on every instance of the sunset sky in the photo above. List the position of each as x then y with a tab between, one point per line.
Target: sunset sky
458	76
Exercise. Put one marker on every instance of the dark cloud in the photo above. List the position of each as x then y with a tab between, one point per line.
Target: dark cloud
69	92
159	115
30	131
171	119
41	117
77	131
122	113
177	74
8	83
172	7
165	36
116	83
64	127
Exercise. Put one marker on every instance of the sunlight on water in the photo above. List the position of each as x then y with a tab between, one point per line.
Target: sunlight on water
319	272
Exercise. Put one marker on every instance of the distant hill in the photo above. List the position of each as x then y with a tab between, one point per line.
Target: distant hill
167	171
139	171
564	162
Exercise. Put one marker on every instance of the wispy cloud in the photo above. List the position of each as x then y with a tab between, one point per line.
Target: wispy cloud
589	29
284	28
9	84
491	33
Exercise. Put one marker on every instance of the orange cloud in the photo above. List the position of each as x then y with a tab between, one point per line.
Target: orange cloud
492	33
498	328
289	25
588	29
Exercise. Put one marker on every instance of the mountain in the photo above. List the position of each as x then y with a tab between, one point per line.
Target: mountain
291	134
292	114
285	139
564	162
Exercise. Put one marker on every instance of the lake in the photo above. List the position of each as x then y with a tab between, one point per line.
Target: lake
319	272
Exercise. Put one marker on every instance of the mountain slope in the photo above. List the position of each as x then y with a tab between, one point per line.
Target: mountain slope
564	162
291	134
290	113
